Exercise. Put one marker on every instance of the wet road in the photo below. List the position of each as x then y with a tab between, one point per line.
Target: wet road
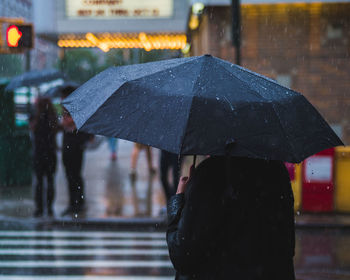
64	252
109	190
95	253
322	254
89	254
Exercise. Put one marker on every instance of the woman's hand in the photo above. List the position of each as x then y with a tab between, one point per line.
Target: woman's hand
181	187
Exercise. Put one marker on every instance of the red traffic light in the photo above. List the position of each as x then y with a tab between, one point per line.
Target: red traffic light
13	35
19	36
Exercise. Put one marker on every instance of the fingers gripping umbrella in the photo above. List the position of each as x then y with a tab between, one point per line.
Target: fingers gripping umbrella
201	106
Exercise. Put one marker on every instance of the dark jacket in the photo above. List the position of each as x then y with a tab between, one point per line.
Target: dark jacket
45	145
75	141
235	221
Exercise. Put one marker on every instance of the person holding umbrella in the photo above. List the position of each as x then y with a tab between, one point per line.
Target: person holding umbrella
233	218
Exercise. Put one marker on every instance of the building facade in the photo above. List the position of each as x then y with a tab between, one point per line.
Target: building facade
305	46
110	24
18	8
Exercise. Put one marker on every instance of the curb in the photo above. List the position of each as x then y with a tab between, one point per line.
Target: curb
320	225
114	223
131	224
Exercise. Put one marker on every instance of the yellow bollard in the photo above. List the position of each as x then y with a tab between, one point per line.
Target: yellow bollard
296	186
342	179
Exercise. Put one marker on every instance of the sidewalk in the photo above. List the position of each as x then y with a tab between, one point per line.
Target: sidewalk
113	199
109	192
331	220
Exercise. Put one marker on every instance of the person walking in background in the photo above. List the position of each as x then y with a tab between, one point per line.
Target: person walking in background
134	157
169	161
44	126
74	143
233	218
112	144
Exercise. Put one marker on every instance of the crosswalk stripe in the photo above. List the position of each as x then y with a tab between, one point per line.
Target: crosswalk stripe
95	263
35	253
77	277
85	252
73	243
89	234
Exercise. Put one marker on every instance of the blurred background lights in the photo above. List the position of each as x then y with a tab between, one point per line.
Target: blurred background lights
194	22
107	41
197	8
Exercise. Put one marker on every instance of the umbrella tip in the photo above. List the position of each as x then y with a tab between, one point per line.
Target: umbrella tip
207	54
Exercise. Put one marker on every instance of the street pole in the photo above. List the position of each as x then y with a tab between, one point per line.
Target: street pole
27	60
27	68
236	28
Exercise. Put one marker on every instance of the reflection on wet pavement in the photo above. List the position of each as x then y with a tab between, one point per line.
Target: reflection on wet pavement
322	254
109	190
113	190
72	253
28	252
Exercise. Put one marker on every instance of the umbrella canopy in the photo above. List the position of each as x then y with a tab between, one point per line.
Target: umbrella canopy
33	78
198	106
56	92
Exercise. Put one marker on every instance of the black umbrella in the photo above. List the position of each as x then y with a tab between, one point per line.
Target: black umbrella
201	106
34	78
56	92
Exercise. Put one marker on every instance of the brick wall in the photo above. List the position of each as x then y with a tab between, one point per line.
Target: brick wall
306	44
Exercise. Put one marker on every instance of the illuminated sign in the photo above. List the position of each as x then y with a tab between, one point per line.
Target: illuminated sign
19	36
111	9
107	41
13	35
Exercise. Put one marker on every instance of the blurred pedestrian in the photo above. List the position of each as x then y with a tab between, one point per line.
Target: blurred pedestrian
233	218
169	161
112	144
44	127
134	157
74	143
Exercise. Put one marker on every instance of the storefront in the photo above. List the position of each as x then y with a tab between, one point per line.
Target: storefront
304	46
109	24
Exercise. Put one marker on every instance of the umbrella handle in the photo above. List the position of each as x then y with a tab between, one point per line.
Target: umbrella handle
194	160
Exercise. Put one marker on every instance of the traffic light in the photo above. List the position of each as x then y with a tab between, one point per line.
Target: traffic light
19	36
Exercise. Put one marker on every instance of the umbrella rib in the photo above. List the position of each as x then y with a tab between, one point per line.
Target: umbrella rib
121	85
246	83
99	104
254	74
190	111
278	118
170	67
284	132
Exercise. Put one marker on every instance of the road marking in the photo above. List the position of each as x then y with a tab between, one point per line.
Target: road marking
81	245
85	252
73	243
76	277
88	234
95	263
